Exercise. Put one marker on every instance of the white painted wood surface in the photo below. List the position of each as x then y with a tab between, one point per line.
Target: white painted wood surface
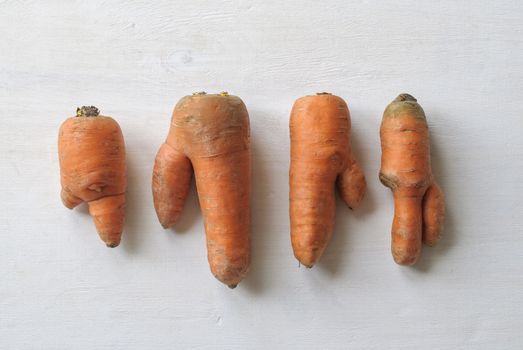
62	289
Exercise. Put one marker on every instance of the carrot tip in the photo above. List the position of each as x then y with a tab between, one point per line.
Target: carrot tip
306	258
405	260
431	243
309	266
166	225
112	244
232	286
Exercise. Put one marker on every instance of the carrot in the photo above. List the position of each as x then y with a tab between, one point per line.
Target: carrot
91	151
321	155
210	134
406	169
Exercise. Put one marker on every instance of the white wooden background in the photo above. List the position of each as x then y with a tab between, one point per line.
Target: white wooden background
60	287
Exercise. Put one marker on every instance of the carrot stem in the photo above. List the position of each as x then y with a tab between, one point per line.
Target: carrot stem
87	111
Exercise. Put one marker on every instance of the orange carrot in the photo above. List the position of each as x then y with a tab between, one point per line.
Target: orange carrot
321	155
406	169
91	150
210	134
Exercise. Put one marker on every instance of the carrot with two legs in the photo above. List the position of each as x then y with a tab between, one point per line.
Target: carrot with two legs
419	206
210	136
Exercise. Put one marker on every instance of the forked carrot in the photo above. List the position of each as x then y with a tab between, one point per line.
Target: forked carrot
210	134
321	158
406	169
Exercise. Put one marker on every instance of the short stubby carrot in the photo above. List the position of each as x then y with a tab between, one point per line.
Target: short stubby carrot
210	135
321	159
91	152
406	169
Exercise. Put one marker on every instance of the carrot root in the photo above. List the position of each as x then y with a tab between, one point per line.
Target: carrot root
312	213
108	216
210	136
406	228
171	183
406	170
321	160
352	185
229	267
433	214
91	152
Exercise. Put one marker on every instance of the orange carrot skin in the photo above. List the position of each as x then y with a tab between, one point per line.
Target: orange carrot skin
171	182
213	133
321	156
108	214
433	214
406	170
93	170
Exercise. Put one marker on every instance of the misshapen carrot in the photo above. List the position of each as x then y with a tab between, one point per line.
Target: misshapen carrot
321	157
91	151
210	134
406	169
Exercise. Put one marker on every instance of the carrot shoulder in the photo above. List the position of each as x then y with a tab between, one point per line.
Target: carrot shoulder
406	170
92	169
321	157
210	134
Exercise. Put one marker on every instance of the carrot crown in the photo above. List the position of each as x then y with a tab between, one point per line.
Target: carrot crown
405	97
403	103
200	93
87	111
